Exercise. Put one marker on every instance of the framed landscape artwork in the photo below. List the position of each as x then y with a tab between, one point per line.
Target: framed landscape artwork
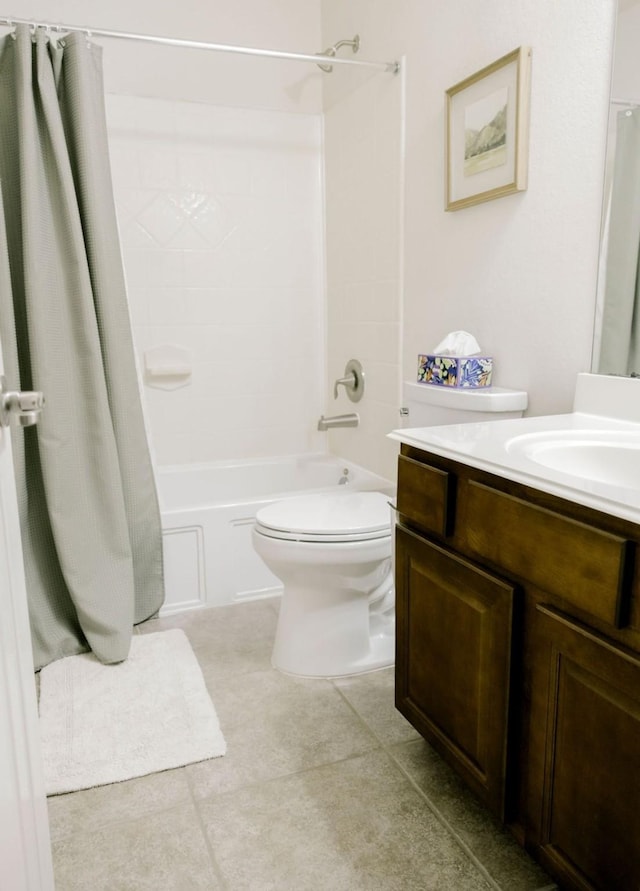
487	132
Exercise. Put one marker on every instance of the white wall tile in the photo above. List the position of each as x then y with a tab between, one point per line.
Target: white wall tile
124	165
138	307
363	169
231	172
160	168
203	269
269	177
134	236
195	170
187	238
220	213
161	218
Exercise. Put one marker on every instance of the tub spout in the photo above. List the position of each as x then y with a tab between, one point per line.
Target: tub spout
349	420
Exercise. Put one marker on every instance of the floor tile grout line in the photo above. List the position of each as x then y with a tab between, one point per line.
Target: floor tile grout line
382	746
123	820
287	776
433	807
444	822
387	747
382	750
209	846
381	743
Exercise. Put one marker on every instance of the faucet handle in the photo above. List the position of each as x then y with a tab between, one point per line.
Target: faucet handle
353	381
349	383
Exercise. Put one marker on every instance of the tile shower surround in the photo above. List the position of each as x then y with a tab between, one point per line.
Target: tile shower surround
324	787
363	147
220	217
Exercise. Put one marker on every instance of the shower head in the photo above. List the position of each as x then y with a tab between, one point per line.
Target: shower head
332	50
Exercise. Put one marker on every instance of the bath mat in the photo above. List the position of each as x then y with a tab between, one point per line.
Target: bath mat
103	724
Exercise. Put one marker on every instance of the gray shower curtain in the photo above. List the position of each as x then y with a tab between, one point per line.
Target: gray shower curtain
88	505
620	338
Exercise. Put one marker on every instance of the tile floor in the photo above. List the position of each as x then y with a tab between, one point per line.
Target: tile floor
324	787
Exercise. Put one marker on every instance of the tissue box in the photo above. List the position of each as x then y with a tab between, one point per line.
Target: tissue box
455	371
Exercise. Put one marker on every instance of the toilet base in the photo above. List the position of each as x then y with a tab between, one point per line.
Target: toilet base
332	634
381	655
337	612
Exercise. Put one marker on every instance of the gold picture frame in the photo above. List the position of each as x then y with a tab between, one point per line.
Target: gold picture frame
487	132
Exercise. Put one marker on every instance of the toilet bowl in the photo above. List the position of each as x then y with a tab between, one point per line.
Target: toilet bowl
332	553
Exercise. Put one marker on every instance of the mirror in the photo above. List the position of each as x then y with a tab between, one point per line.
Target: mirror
616	347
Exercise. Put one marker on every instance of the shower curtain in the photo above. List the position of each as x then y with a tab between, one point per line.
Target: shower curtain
620	337
88	506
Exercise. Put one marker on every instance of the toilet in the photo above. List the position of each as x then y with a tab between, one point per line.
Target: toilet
333	554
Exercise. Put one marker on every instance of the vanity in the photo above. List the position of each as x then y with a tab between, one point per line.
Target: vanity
518	622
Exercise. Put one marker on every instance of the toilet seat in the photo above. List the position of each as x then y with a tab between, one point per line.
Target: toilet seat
348	517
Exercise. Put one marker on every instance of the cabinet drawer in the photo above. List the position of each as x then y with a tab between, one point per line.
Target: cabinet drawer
425	495
584	566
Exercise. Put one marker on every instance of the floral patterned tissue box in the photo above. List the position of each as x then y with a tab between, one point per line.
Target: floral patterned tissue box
455	371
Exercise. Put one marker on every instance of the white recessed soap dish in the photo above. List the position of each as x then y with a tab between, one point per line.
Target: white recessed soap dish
167	366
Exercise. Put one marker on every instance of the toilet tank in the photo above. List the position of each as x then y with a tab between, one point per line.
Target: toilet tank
431	406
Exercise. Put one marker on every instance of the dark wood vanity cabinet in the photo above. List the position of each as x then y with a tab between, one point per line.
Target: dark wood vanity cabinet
518	658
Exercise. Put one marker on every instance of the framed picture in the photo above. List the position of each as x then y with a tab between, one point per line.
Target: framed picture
488	132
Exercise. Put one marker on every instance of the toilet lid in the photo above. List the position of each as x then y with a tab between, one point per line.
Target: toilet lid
355	516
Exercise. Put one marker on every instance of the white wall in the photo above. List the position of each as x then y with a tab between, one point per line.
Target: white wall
197	76
519	272
626	70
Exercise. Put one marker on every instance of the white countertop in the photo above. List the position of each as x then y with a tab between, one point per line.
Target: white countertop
483	445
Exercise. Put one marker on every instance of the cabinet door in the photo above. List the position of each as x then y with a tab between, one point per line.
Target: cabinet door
584	772
453	662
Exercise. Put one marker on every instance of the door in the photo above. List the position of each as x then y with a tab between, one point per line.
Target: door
453	660
584	752
25	855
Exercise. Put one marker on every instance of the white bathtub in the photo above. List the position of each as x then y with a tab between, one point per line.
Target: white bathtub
208	511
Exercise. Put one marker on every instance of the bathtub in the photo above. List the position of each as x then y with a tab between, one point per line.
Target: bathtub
208	511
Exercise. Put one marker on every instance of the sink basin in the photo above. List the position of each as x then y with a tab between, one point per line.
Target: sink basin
610	457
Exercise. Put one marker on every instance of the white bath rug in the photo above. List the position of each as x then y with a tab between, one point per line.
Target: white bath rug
102	724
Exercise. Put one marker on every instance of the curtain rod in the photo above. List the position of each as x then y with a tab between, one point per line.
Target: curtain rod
392	67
